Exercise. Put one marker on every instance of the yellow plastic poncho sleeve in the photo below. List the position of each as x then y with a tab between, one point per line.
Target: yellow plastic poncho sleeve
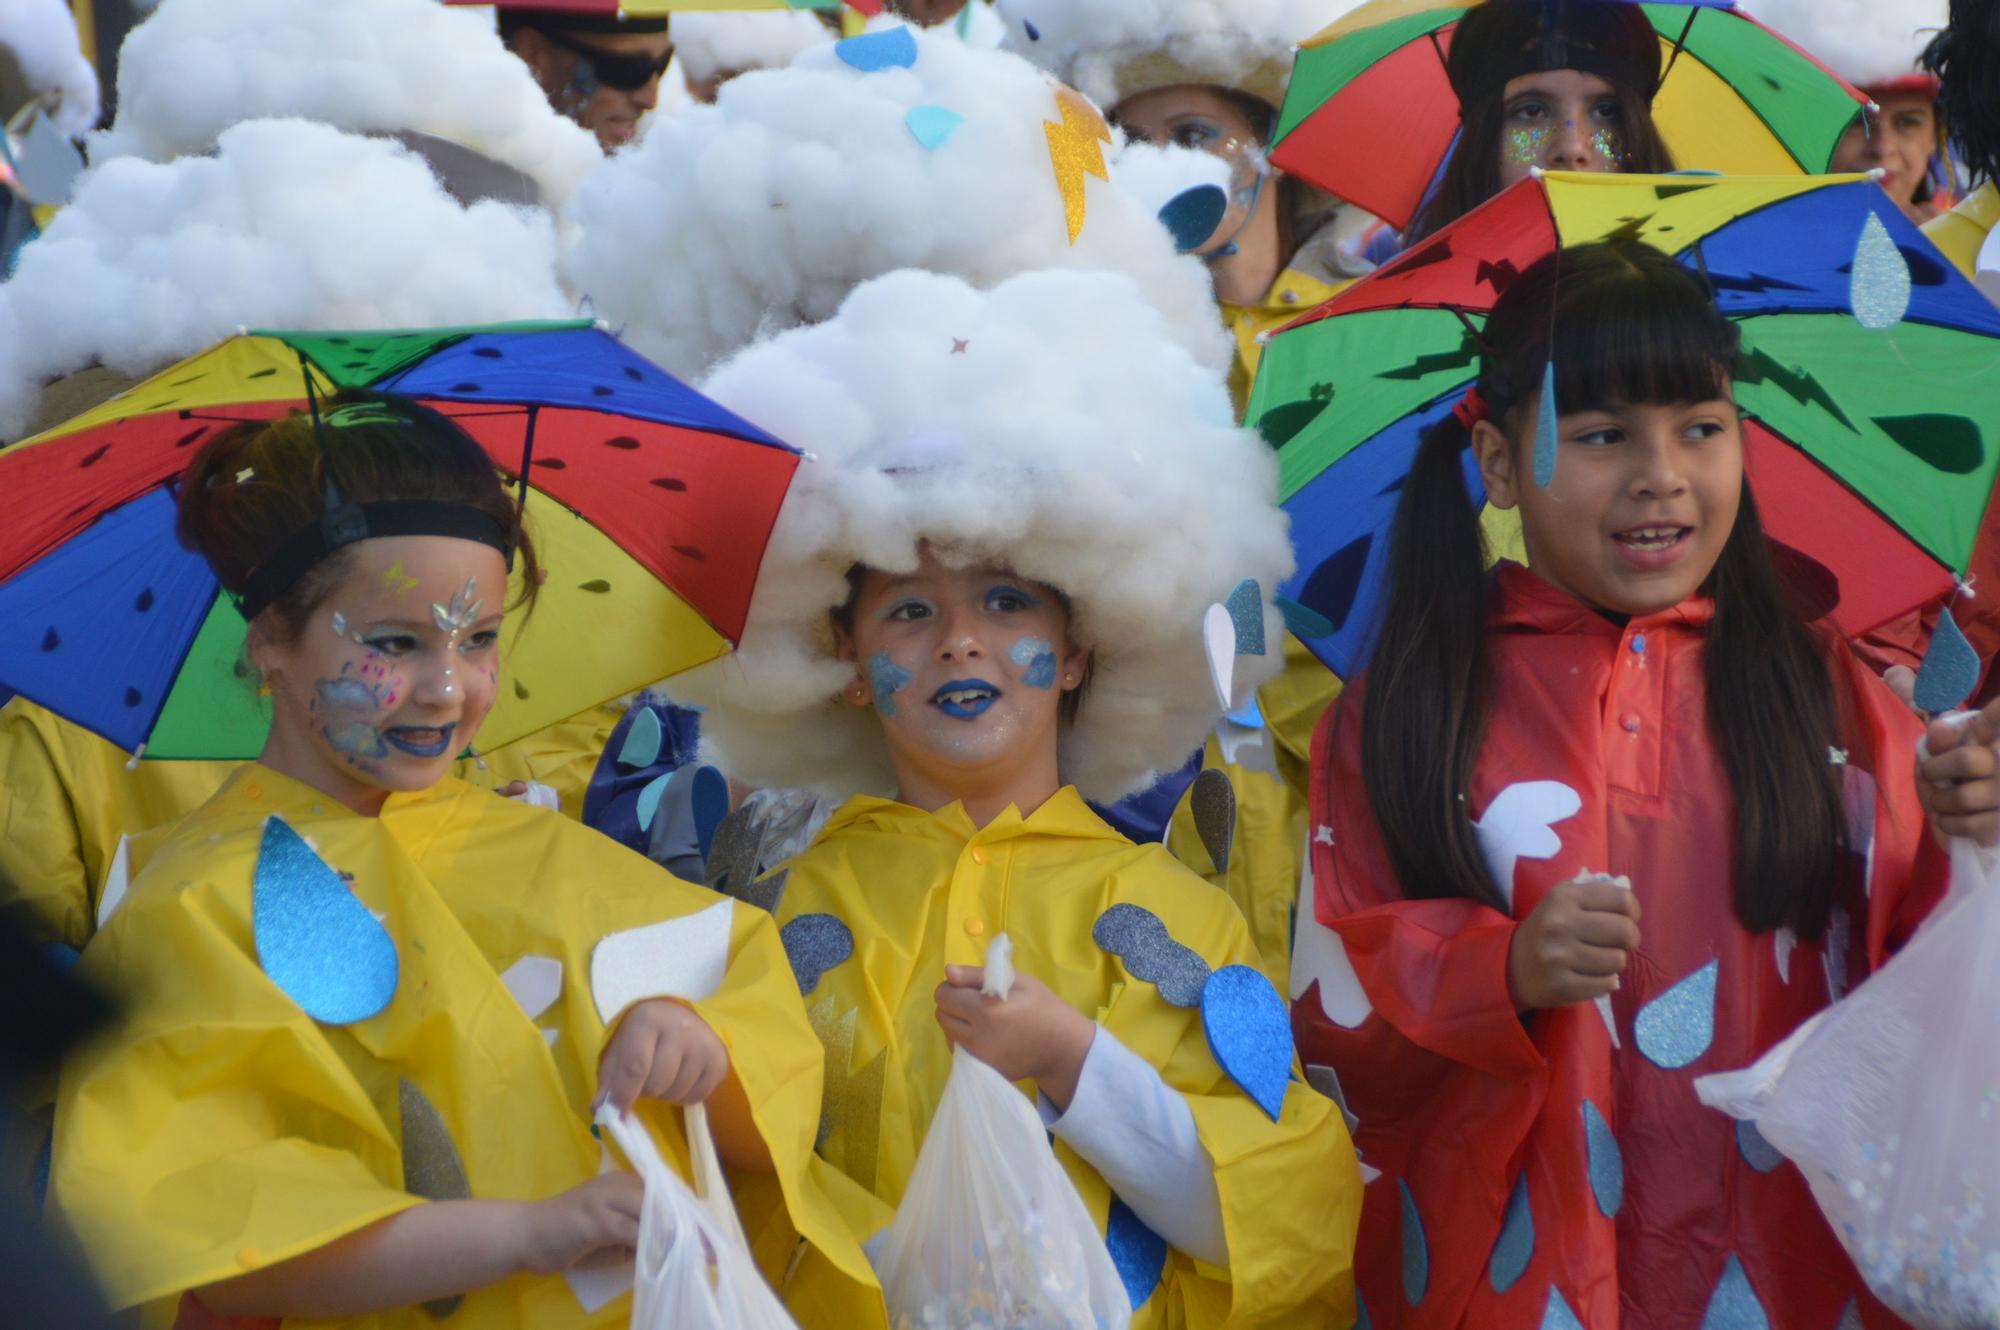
66	798
1961	233
917	891
221	1128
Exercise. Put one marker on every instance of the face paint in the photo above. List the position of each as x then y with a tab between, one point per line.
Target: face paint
1609	145
1038	659
339	624
1524	146
396	579
458	616
887	678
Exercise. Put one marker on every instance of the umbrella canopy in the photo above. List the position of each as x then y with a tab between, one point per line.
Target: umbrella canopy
1371	115
650	506
1869	381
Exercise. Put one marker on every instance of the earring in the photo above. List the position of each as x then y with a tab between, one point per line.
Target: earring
1069	678
264	688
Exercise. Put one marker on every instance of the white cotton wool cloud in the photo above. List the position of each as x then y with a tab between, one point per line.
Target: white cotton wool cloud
763	211
1054	424
1866	42
289	225
41	34
1112	49
196	67
725	42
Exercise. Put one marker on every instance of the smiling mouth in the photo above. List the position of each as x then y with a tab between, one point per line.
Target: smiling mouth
420	740
1652	539
965	699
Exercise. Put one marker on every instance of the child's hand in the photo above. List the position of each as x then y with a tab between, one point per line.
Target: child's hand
1959	783
1573	946
598	1216
661	1050
1030	1035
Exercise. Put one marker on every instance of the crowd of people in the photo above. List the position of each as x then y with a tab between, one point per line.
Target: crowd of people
929	398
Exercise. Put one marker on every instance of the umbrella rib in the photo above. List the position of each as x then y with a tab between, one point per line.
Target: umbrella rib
1680	44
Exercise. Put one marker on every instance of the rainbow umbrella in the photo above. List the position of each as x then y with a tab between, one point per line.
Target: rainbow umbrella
1371	115
650	506
1869	382
650	8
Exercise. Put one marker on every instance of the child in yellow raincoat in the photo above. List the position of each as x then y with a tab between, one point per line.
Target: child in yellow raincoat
982	604
368	1010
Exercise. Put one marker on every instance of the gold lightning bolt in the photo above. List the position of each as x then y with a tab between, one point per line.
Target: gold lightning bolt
852	1106
1073	147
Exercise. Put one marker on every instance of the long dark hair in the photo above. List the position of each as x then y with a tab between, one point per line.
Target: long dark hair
1965	57
1625	324
1500	40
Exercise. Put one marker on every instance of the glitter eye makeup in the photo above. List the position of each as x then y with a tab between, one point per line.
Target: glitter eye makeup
1524	146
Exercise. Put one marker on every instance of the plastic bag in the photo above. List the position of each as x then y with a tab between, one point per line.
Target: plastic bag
991	1232
1889	1103
693	1269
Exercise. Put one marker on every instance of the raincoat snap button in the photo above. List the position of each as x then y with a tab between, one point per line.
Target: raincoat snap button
975	926
979	855
1630	721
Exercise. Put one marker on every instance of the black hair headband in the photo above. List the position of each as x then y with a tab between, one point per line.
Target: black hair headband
343	523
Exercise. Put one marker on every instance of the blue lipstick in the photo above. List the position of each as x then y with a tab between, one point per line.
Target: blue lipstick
965	699
436	748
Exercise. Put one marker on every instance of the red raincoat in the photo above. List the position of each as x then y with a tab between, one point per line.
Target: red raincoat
1532	1174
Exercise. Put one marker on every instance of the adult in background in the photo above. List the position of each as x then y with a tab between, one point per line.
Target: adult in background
602	71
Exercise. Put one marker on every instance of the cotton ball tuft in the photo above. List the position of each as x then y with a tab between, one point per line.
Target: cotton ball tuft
1112	49
41	34
1053	423
707	44
196	67
289	225
763	211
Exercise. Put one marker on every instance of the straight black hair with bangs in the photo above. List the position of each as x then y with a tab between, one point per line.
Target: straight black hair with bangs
1625	325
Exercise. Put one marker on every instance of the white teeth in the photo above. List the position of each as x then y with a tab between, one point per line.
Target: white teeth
963	696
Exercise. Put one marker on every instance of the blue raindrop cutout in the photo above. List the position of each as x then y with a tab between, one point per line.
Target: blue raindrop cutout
1246	611
642	741
872	52
1416	1249
1757	1152
1250	1033
314	939
1516	1244
647	806
1677	1027
1557	1315
1734	1305
1606	1161
1138	1253
1545	430
931	125
1950	670
1192	215
710	798
1878	285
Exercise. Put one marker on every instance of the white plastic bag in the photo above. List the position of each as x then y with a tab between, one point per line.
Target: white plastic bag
1889	1103
991	1232
693	1269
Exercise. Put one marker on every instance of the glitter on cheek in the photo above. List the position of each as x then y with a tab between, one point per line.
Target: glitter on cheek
1038	658
1609	145
887	678
349	694
356	740
1524	146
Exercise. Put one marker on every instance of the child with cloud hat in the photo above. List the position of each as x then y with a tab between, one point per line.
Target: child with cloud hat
982	604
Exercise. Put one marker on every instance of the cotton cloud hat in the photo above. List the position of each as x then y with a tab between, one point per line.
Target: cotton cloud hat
904	148
1051	424
1110	50
1873	44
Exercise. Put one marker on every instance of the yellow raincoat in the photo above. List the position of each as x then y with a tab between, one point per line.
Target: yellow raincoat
67	797
1962	232
920	890
221	1128
1293	294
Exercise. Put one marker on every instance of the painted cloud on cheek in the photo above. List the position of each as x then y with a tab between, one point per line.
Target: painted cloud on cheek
887	678
1038	658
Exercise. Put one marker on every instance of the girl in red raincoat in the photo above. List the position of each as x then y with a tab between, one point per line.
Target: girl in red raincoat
1585	832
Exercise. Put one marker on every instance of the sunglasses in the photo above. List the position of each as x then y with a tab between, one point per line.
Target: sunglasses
627	73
